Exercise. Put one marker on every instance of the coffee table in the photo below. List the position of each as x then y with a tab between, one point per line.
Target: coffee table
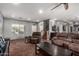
48	49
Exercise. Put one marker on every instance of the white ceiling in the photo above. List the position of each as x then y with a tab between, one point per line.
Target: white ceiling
23	11
61	14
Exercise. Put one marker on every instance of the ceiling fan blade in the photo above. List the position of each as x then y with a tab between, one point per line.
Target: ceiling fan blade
66	6
56	6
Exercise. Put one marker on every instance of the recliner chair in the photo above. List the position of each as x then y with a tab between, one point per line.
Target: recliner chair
36	37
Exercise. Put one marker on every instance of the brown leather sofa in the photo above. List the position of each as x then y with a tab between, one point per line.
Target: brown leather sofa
70	41
59	39
74	46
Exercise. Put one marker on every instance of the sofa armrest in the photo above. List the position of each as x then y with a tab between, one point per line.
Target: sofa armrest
1	51
54	38
7	47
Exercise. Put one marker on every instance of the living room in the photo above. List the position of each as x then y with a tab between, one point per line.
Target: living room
39	29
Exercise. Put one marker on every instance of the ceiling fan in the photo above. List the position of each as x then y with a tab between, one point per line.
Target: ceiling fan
65	6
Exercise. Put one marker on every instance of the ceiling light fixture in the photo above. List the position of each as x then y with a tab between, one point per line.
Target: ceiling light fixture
40	11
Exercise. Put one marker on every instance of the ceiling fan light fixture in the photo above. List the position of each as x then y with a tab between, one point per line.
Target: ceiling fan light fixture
66	6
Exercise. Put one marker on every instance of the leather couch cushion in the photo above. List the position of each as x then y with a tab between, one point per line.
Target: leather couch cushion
68	40
62	35
75	41
74	47
58	42
76	36
54	38
61	38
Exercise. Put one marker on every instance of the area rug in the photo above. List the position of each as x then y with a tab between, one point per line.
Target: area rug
20	48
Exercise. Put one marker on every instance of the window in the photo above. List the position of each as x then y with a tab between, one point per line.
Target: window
18	28
34	27
41	24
